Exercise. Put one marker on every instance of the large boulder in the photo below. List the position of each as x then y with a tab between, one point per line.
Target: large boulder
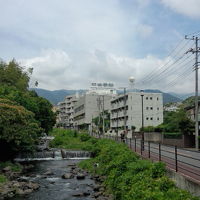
67	176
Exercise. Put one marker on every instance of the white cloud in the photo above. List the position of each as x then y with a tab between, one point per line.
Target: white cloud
144	30
187	7
87	40
55	69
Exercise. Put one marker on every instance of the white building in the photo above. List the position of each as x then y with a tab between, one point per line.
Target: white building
173	107
66	111
103	88
132	115
91	104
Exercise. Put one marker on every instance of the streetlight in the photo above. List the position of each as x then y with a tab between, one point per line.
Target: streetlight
142	97
124	100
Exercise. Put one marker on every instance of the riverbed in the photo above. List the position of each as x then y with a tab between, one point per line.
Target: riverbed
53	186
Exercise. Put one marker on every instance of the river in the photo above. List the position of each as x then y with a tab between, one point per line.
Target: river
53	186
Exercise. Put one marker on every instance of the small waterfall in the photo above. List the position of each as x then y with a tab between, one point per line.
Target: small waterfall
77	154
45	153
53	155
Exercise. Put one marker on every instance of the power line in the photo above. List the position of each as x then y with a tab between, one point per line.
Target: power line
163	71
175	69
156	70
185	73
167	56
195	33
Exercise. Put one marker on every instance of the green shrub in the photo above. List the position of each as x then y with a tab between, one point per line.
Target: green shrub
173	135
71	139
15	167
3	179
128	177
158	170
84	137
148	129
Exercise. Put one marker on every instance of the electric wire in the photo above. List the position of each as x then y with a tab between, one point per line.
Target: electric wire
175	69
154	72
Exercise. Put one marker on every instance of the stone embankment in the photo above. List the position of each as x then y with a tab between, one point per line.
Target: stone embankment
16	185
20	185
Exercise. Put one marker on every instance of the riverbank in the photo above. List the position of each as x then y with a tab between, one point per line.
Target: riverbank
126	176
63	179
11	181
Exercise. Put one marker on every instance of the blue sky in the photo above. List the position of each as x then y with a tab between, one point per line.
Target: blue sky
72	43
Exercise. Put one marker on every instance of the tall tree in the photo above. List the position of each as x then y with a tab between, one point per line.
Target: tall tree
18	129
12	74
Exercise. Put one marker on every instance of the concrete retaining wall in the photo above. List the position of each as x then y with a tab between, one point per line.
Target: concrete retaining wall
174	142
185	182
153	137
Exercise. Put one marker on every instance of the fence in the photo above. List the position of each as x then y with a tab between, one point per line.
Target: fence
186	162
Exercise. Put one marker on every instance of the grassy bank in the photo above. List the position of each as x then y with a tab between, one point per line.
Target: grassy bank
3	179
12	167
130	178
127	177
70	139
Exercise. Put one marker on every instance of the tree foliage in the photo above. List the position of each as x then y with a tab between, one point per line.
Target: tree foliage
176	122
12	74
17	90
98	121
23	114
18	129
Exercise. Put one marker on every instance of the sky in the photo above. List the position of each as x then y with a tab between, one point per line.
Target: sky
73	43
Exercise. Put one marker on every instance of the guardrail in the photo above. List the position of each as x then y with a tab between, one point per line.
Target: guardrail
180	160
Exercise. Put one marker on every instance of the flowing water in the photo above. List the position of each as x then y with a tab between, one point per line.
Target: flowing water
53	187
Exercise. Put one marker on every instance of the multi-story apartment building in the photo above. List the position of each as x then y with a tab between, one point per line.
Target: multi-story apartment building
136	109
66	111
92	103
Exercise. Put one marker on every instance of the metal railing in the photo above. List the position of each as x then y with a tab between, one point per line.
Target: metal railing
180	160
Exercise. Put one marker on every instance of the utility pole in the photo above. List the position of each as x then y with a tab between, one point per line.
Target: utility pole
98	105
92	126
142	99
117	119
124	110
103	116
196	51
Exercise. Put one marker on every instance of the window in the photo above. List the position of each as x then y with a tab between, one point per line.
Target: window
146	98
157	98
158	118
147	108
151	98
151	118
157	108
151	108
147	118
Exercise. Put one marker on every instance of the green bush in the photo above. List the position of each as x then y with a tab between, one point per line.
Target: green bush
148	129
15	167
172	135
3	179
70	139
128	177
84	137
